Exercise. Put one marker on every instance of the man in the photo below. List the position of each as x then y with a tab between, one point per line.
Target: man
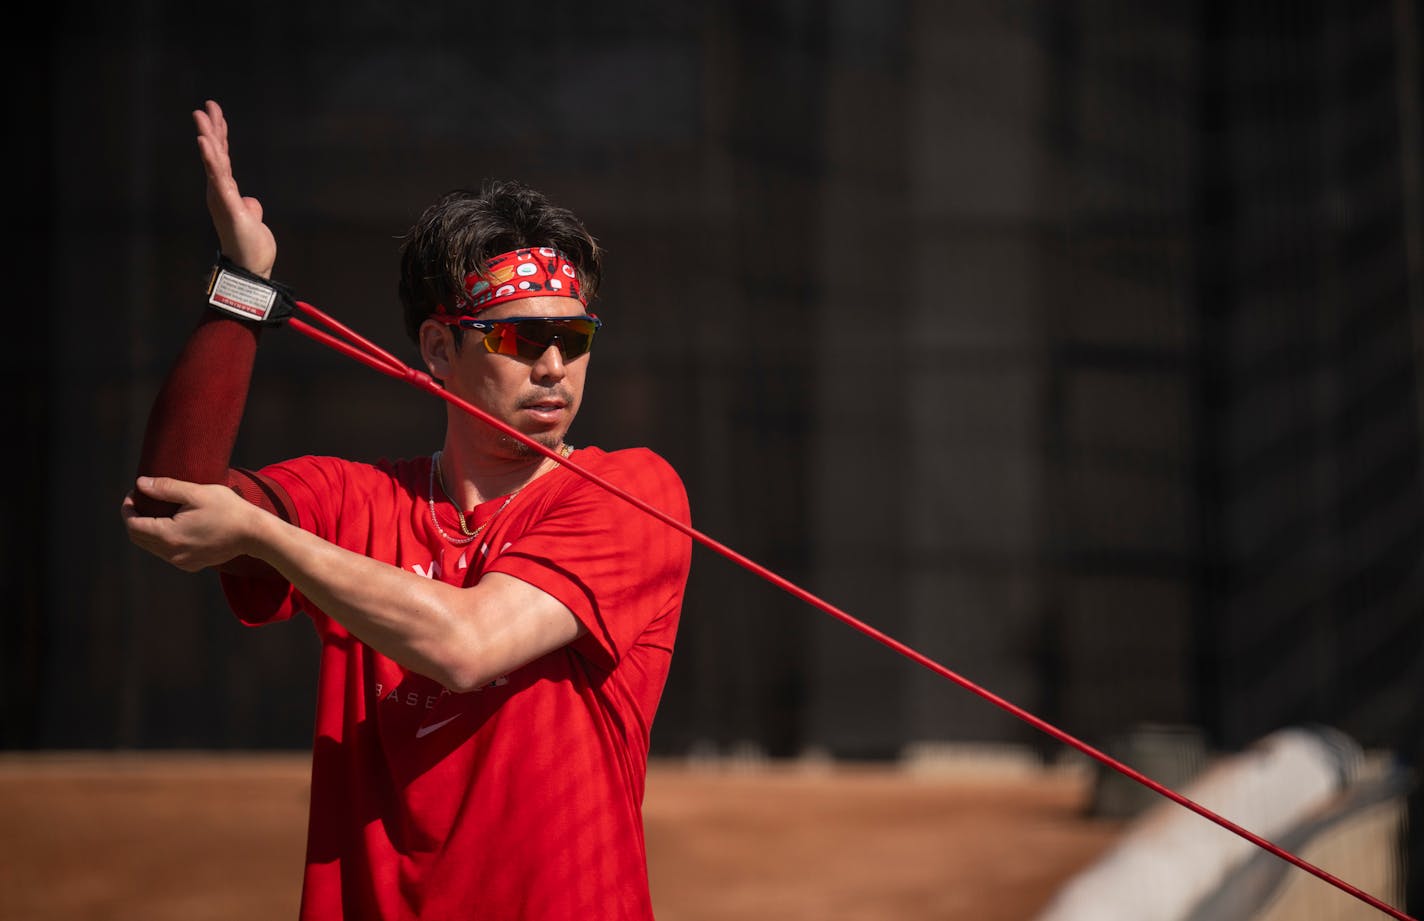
496	631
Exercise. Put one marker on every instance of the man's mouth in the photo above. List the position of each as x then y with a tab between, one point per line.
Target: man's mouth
545	410
551	401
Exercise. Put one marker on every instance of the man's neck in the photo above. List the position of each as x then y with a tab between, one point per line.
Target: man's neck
473	478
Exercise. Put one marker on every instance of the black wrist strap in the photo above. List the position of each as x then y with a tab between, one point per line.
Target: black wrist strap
247	296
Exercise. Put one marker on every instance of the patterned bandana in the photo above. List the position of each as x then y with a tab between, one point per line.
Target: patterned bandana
540	271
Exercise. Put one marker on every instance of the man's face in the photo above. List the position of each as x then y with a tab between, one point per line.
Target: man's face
537	397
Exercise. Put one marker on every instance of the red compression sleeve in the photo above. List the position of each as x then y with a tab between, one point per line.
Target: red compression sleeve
193	424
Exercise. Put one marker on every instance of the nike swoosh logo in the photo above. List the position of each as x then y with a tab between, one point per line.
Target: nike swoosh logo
424	731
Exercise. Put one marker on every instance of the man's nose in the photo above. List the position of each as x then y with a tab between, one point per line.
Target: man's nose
550	365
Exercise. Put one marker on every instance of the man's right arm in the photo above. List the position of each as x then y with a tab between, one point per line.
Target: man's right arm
193	424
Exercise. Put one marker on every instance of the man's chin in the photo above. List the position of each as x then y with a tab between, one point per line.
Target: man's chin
550	440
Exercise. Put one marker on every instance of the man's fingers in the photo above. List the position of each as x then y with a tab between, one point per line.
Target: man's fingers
143	530
215	162
206	529
215	115
209	119
212	143
237	218
165	489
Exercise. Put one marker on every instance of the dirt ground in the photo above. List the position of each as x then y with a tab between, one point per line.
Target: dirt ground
199	837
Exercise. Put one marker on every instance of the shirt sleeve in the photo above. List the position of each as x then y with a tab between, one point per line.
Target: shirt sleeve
616	567
314	486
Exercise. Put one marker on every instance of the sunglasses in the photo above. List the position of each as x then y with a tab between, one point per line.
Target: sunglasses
530	337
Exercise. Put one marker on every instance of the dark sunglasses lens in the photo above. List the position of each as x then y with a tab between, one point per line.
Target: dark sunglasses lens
530	339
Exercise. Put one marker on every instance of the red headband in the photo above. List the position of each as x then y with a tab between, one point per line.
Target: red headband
540	271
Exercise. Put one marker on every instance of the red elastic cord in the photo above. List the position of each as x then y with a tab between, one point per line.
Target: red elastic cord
369	354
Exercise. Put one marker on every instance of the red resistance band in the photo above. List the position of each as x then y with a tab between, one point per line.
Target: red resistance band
372	355
538	271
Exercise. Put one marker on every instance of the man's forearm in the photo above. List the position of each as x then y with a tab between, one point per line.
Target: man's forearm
462	638
194	421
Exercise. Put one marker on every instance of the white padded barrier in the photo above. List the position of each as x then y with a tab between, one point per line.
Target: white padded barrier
1169	858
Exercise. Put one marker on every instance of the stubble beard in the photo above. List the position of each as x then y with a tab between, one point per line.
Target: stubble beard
550	440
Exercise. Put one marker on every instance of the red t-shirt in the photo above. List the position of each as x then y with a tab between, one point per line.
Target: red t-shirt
522	800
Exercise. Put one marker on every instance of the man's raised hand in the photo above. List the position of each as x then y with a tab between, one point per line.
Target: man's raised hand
237	219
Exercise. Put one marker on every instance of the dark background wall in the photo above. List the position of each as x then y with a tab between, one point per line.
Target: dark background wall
1075	344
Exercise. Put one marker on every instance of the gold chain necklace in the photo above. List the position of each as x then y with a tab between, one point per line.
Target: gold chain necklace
435	474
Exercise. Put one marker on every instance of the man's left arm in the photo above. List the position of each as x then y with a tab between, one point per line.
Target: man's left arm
462	638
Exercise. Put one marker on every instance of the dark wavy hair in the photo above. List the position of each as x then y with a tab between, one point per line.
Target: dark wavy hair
464	228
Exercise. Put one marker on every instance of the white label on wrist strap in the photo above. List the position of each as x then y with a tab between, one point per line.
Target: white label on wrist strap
241	297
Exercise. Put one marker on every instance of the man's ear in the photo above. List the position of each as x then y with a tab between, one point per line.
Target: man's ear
437	348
